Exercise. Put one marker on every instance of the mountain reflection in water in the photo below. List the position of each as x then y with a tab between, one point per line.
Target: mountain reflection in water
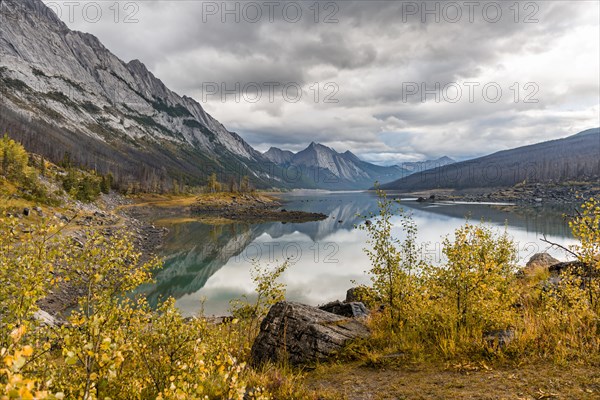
213	262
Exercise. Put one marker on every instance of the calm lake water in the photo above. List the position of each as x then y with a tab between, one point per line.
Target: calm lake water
206	266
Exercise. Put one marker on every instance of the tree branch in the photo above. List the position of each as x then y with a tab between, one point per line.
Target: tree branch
552	244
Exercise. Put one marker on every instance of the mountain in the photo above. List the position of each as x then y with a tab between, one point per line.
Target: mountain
64	95
574	158
321	167
278	156
593	131
419	166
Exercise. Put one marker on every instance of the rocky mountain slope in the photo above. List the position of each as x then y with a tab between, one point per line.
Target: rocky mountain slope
574	158
324	168
64	94
278	156
321	167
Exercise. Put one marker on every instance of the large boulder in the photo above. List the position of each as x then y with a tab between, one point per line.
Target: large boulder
539	262
46	319
353	309
303	334
363	294
353	294
573	267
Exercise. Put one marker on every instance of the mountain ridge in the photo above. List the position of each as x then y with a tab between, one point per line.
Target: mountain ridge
419	166
571	158
64	87
342	170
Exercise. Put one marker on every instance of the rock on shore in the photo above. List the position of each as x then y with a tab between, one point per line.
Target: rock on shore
301	334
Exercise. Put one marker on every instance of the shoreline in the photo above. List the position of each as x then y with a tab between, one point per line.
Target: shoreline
526	194
108	216
217	208
251	208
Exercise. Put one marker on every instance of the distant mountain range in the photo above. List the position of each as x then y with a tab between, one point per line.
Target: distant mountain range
574	158
65	96
323	167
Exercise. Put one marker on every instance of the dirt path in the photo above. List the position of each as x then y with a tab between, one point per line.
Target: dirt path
432	382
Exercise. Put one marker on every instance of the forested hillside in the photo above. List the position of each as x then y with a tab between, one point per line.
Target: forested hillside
574	158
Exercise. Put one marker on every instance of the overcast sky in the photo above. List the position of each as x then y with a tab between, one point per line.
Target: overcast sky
368	71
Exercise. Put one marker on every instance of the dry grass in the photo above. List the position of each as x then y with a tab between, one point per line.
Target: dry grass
12	202
354	381
203	200
161	201
241	199
7	200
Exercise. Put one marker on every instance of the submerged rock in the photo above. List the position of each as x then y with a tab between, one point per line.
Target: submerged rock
302	334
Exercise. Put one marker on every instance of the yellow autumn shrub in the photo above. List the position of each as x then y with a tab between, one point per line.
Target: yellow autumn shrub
453	309
112	345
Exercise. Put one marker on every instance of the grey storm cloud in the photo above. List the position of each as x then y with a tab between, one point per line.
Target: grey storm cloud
353	61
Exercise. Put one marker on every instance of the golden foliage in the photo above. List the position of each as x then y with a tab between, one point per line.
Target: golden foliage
452	310
113	345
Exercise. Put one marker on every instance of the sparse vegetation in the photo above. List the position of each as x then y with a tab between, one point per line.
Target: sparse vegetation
192	123
15	84
177	111
91	107
38	72
71	82
214	186
60	97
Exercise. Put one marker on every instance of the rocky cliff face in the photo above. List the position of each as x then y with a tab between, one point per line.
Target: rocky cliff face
278	156
65	87
317	155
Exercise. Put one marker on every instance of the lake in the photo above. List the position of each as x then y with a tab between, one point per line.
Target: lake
208	265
